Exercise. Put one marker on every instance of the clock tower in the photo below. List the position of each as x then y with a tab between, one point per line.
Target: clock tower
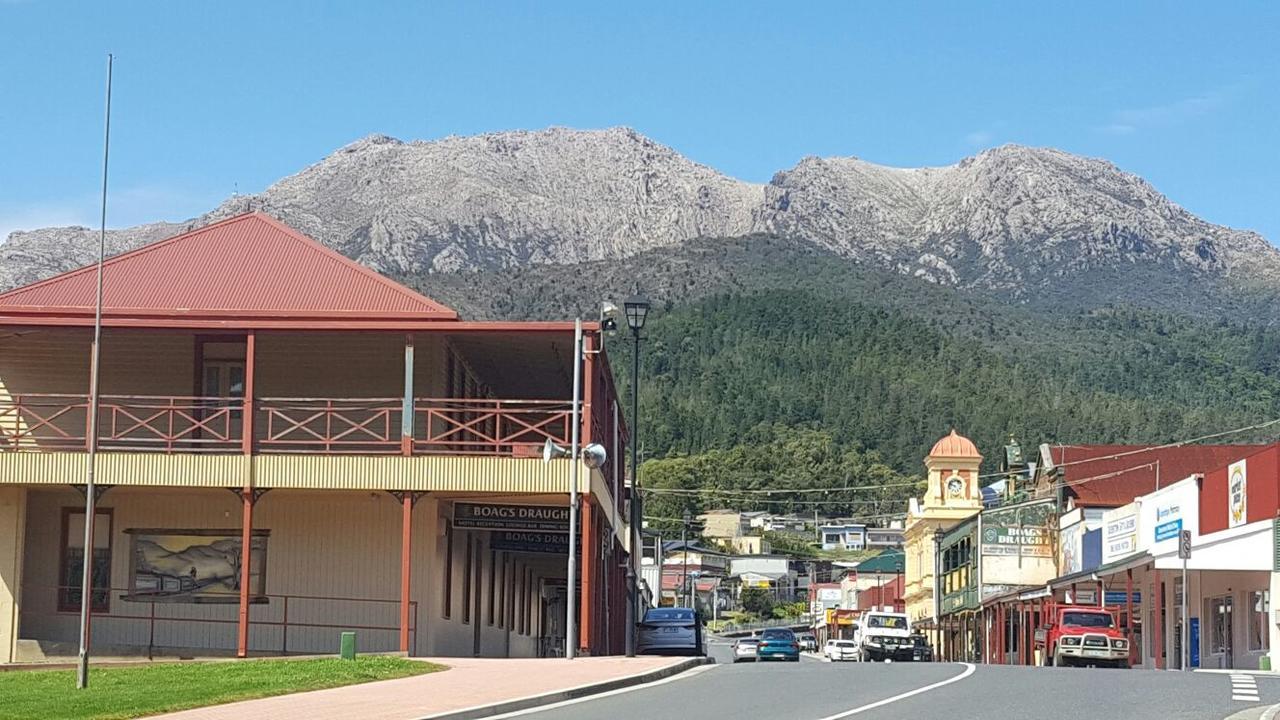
953	476
952	495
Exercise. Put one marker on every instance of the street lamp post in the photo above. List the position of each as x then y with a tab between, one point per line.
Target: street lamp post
938	533
636	308
901	586
684	552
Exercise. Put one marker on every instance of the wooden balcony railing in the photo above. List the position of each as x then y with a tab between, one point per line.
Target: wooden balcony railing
490	427
166	424
53	422
328	425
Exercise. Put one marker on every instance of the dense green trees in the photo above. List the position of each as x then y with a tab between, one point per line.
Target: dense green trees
792	389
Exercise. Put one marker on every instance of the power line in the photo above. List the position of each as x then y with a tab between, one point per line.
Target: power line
1152	448
772	491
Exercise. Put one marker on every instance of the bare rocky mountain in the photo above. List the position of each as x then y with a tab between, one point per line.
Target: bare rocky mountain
1015	220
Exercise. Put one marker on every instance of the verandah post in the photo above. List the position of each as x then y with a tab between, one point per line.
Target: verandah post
246	497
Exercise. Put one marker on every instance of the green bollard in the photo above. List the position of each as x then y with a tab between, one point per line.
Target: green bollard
348	647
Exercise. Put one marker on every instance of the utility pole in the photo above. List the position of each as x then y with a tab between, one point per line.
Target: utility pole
684	555
1184	552
571	599
90	489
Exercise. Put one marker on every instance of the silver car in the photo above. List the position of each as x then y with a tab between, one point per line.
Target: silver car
670	631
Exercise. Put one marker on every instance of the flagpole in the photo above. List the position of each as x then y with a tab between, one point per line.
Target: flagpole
90	492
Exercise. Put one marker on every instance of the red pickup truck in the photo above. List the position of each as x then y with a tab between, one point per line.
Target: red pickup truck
1082	636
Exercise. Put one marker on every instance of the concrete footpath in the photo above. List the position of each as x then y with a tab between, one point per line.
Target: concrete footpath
470	688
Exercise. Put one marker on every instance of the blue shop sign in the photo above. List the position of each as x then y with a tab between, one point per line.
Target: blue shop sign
1169	530
1116	597
1195	641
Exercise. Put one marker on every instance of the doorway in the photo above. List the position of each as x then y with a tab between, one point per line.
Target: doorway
1221	612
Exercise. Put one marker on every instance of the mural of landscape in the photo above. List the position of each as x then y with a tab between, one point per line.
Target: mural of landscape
201	566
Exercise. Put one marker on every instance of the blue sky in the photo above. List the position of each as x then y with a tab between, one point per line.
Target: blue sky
217	97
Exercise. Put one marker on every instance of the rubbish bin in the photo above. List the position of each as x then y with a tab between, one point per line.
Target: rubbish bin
1264	662
347	648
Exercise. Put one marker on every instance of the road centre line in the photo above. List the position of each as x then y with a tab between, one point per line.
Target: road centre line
969	670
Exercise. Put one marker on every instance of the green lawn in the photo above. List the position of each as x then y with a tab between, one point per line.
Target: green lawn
130	692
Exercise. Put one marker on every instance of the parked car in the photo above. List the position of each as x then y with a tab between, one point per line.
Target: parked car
744	650
839	650
808	642
913	649
670	631
778	643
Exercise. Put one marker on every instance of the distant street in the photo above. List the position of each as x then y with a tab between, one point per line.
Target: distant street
817	690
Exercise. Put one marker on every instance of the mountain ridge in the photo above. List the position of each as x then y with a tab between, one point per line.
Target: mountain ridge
1013	220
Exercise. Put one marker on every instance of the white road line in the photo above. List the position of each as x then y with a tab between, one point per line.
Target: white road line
643	686
969	670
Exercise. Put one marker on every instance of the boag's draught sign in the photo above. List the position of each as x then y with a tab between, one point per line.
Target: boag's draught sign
491	516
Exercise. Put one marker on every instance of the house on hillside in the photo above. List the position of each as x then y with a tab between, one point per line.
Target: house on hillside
843	536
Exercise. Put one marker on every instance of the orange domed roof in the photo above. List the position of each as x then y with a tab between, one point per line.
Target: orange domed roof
955	445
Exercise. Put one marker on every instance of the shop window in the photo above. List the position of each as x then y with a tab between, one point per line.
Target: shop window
1259	609
493	576
72	555
528	602
502	592
447	600
466	582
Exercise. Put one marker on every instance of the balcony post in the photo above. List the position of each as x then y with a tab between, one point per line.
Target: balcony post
586	606
246	546
246	422
588	388
406	408
406	547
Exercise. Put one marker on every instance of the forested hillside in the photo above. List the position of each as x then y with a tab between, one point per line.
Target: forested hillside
759	342
790	389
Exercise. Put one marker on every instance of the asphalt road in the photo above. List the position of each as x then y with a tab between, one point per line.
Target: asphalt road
816	690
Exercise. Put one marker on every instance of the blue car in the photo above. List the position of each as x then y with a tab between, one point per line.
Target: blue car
778	643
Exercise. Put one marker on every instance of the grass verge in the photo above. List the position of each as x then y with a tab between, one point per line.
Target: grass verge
165	687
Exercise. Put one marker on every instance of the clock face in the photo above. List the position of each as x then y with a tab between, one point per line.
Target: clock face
955	486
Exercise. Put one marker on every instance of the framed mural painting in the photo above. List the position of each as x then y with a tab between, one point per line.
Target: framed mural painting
194	566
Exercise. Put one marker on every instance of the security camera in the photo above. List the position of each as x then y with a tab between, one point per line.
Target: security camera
609	314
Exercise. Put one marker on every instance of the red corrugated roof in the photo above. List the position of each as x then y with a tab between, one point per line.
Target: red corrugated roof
1137	474
245	267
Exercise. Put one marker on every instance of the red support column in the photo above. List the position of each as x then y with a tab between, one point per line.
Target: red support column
246	543
1157	621
588	387
586	602
406	548
1000	633
1128	606
246	497
1024	652
246	422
